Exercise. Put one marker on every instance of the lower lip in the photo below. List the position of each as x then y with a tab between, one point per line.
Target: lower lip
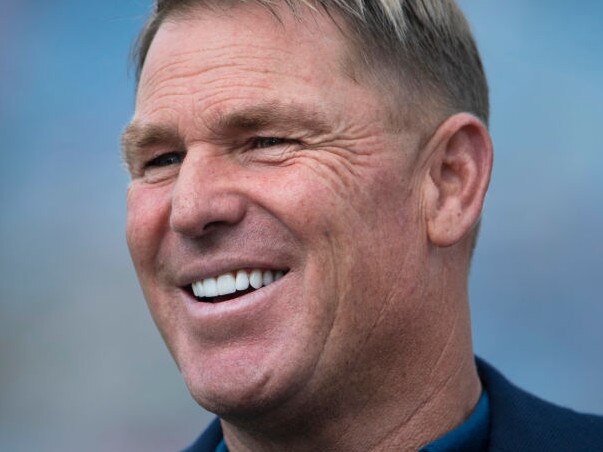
244	305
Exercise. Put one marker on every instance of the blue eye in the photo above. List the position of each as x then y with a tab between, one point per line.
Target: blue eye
267	142
167	159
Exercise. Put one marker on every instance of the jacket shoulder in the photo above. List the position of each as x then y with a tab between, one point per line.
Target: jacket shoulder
522	421
209	439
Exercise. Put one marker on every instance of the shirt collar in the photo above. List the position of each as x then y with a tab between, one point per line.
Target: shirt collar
471	436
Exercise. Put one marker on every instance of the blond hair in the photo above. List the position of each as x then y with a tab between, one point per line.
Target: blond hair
421	47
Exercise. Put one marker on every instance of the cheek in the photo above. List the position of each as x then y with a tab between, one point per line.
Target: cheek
147	221
306	198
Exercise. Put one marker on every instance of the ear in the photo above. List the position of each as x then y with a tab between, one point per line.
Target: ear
457	177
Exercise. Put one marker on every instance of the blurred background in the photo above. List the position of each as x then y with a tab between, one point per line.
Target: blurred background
81	364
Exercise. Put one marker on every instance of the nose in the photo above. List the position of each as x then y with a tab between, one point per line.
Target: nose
205	196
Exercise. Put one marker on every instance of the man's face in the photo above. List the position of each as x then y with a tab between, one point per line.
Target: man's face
254	150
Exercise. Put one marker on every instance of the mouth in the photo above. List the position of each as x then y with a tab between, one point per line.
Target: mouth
231	285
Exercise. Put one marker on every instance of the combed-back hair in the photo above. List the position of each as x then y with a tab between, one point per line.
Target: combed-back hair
422	48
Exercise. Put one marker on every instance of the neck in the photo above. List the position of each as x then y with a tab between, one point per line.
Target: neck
445	392
391	428
401	401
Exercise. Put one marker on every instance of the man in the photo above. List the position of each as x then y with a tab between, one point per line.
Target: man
307	181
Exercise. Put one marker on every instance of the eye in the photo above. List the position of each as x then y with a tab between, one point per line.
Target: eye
267	142
167	159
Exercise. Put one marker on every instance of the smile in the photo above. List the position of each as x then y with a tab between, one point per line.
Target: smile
233	284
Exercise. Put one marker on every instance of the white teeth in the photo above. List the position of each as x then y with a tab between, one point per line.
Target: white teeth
210	287
242	280
228	283
198	289
267	277
255	279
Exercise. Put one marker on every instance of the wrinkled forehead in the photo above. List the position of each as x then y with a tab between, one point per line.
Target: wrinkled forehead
294	37
311	43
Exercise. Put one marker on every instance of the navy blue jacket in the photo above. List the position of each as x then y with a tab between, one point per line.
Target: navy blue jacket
519	422
522	422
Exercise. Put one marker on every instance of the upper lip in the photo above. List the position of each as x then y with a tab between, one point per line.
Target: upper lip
195	271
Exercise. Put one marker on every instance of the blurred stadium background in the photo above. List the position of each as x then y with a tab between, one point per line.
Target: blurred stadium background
81	364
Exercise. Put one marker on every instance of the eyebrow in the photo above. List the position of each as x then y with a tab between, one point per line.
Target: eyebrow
271	114
277	115
137	137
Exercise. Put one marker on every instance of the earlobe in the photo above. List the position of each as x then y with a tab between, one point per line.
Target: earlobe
457	178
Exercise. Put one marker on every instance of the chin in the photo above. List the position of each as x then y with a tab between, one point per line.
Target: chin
243	389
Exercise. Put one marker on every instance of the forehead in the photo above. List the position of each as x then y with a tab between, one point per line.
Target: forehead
243	45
